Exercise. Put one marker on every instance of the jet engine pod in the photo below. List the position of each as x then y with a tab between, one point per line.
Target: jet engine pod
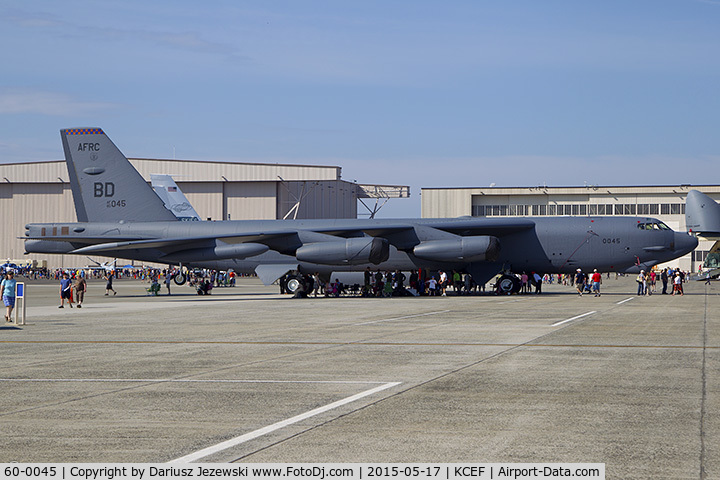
353	251
219	252
464	249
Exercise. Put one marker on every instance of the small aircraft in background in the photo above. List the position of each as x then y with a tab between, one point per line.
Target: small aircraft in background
108	267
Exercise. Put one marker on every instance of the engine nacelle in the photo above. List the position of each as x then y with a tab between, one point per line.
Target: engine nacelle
219	252
463	249
353	251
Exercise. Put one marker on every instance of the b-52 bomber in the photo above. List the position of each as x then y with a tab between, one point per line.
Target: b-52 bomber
119	215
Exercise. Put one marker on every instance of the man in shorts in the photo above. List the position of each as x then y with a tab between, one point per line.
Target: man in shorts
65	291
596	281
580	281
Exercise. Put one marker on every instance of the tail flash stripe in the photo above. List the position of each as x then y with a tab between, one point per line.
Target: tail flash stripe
85	131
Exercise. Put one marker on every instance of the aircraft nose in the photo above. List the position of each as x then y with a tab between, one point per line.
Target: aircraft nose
684	243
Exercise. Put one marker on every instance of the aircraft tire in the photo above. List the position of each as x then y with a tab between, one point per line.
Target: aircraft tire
508	284
293	283
180	278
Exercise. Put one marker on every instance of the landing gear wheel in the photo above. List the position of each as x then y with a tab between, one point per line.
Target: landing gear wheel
508	284
293	283
180	278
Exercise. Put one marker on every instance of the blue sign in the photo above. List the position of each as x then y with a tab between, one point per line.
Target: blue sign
20	290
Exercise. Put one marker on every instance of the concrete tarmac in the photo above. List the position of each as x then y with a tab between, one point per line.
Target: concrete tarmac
248	375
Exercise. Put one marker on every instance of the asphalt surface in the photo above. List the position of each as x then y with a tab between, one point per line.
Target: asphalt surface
522	378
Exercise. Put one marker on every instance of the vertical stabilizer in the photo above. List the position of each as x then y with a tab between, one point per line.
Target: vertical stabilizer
702	214
173	198
105	185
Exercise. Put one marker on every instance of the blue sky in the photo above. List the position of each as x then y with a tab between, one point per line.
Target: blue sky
421	93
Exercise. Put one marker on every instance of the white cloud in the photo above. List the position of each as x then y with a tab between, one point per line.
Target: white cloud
47	103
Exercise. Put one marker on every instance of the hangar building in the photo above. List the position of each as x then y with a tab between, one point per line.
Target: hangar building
40	192
664	202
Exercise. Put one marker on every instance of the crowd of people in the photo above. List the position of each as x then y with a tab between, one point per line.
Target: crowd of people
386	284
647	281
419	283
73	283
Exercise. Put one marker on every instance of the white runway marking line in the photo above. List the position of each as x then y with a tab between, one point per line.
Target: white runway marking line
401	318
277	426
623	301
573	318
178	380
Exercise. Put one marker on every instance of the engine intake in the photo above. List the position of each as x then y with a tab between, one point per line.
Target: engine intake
353	251
465	249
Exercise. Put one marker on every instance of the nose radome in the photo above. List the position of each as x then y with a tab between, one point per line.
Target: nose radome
684	243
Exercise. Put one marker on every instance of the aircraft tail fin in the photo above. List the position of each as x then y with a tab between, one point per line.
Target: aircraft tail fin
702	214
173	198
105	185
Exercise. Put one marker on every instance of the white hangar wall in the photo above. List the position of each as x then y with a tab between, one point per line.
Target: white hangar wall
664	202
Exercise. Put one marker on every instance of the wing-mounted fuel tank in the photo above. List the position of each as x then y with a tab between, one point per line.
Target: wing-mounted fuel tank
351	251
220	251
466	249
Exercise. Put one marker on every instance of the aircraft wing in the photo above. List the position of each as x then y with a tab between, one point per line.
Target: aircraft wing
180	242
462	227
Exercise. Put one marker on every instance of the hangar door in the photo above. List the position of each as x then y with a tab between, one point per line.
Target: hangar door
250	200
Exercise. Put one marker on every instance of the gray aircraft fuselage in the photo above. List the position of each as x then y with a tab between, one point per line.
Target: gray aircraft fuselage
544	245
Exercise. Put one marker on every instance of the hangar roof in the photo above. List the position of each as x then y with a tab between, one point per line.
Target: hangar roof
595	189
189	170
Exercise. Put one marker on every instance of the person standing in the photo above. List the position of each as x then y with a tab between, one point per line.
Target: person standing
457	282
468	283
80	289
596	281
108	285
443	283
8	293
168	280
641	282
678	288
579	281
664	279
653	281
318	286
537	279
65	291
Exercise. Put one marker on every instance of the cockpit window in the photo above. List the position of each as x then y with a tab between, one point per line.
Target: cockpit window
653	226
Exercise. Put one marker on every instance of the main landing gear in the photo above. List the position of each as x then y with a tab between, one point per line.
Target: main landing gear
508	284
